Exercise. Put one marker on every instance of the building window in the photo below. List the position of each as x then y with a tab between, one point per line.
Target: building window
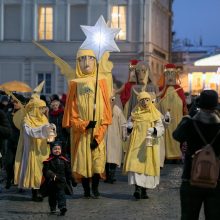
78	16
12	22
118	20
47	89
45	23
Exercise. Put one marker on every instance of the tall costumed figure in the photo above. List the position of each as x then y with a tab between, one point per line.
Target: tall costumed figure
172	101
88	109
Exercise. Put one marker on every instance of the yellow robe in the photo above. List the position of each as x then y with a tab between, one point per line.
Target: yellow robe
31	151
78	112
140	158
174	104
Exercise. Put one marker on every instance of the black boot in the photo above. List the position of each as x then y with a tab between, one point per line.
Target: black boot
36	196
137	192
8	184
95	185
107	173
86	187
112	172
63	211
144	193
111	176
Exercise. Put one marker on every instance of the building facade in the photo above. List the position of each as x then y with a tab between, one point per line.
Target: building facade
199	67
145	35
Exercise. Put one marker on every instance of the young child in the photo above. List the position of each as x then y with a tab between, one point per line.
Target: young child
58	178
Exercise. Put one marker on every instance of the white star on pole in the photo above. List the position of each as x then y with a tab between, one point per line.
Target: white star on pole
100	38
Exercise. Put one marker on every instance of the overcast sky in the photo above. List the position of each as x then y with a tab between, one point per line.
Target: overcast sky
195	18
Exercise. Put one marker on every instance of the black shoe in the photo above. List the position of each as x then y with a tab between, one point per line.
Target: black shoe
86	187
95	193
52	210
36	196
144	193
8	185
87	195
63	211
137	192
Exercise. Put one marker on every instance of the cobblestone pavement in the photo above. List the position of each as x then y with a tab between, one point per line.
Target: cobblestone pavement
116	202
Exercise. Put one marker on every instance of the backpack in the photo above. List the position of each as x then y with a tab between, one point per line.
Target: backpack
205	164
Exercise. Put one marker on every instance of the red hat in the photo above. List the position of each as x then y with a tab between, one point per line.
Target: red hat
170	66
134	62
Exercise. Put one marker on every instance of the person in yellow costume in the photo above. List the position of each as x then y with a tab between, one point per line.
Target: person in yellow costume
88	152
172	101
32	147
142	160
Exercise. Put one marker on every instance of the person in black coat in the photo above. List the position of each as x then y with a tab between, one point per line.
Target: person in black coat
58	178
192	197
13	139
5	129
56	117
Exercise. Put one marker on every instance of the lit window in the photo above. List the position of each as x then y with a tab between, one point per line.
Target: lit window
48	84
45	23
197	82
118	20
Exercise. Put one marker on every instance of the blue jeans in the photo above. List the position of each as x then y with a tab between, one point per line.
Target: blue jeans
193	197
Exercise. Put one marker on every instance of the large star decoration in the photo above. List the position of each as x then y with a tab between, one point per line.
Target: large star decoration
100	38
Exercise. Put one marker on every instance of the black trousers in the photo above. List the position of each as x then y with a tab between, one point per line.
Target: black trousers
57	196
192	198
9	163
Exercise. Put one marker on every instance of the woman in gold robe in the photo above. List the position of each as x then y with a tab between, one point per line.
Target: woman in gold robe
142	160
32	148
88	153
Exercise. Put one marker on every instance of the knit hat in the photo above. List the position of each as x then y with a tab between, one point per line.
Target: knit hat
56	143
208	99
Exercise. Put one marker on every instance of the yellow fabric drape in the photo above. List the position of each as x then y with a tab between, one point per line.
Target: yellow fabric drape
139	157
29	158
77	114
34	118
174	104
79	73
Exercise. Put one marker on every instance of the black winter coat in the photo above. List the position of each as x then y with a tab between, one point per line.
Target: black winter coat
14	137
5	129
209	125
57	166
57	120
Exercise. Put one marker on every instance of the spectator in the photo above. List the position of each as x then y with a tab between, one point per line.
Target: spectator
192	197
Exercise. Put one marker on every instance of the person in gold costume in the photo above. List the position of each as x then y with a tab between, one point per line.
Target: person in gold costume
32	147
142	159
88	152
172	101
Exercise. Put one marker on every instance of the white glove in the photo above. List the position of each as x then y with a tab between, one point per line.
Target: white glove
150	130
167	117
50	129
129	125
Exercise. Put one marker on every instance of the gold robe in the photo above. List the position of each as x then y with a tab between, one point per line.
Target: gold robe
32	147
140	158
174	104
78	112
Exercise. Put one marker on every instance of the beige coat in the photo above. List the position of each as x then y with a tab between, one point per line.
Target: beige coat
114	137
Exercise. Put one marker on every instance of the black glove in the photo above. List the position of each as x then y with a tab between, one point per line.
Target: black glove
91	124
93	144
129	130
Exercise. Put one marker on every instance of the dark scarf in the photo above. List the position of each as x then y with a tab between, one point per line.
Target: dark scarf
207	117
